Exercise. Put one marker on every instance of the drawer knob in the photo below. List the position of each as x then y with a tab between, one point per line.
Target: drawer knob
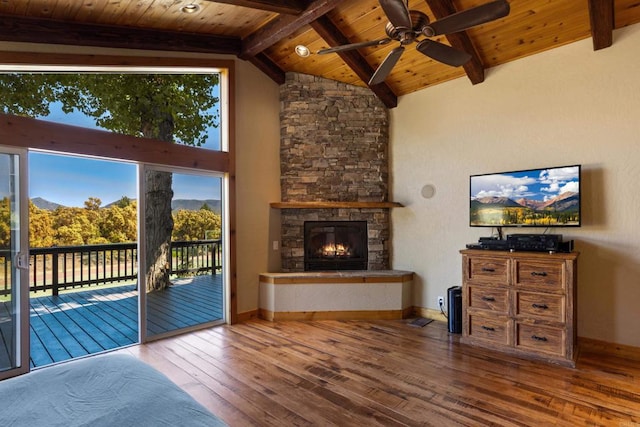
542	306
488	328
490	299
488	270
539	273
537	338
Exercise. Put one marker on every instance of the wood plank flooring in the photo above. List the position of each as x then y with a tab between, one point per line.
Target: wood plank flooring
365	373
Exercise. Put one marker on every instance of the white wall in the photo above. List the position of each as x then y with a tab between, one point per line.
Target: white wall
258	180
570	105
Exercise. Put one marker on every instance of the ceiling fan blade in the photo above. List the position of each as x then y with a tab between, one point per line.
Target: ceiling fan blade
387	65
443	53
397	12
466	19
352	46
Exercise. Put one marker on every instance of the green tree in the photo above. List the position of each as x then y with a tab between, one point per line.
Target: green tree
74	227
123	202
193	225
41	234
5	223
168	107
118	225
92	204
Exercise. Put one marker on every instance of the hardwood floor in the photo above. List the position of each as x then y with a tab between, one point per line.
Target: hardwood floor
388	373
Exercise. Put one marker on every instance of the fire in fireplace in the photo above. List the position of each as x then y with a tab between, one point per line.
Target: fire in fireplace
335	245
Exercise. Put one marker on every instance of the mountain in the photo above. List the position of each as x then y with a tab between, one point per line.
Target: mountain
497	201
178	204
45	204
530	203
194	205
565	202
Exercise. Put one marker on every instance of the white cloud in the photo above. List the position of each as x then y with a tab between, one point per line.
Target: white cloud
572	186
500	186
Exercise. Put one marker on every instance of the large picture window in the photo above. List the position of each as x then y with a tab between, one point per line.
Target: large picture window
164	119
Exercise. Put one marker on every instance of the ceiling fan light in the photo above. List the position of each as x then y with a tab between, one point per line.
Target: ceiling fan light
302	51
190	8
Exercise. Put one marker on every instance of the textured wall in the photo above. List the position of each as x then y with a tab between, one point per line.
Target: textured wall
333	147
569	105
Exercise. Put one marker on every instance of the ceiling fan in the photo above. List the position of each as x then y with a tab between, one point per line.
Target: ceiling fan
407	26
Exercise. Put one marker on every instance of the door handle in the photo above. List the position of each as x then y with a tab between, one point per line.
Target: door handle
22	261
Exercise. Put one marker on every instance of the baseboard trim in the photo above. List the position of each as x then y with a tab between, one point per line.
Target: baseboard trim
335	315
247	315
429	313
605	347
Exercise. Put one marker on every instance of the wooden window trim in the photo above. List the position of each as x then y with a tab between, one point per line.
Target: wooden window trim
31	133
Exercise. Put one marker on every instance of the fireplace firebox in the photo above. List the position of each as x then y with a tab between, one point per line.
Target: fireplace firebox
335	245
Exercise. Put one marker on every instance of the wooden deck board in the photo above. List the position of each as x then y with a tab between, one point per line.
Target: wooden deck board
56	322
94	320
6	335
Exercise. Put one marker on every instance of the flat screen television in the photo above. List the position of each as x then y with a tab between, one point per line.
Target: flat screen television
546	197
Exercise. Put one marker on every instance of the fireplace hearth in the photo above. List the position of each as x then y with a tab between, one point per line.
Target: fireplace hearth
335	245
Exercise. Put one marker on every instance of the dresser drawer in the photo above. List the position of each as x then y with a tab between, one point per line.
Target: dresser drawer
489	298
489	328
488	270
540	306
540	339
539	275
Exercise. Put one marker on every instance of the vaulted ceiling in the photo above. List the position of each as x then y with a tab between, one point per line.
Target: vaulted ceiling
265	32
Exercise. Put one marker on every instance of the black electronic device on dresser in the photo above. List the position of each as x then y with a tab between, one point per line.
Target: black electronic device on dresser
525	242
537	242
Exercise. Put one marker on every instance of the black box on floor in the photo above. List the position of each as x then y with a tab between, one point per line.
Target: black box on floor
454	300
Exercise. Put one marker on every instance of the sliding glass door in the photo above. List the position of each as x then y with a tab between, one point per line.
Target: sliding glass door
14	304
183	250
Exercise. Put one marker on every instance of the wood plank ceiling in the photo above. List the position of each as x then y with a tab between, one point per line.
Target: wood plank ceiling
265	32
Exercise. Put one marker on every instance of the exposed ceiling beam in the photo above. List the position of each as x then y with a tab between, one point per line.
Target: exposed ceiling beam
332	35
267	66
601	13
36	30
290	7
283	26
461	41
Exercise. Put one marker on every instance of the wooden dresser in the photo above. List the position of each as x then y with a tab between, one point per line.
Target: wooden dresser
522	303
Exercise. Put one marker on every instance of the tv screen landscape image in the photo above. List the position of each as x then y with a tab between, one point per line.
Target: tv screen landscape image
546	197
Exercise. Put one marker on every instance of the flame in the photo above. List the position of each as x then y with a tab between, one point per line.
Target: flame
332	250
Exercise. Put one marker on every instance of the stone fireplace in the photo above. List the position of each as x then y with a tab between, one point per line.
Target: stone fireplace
335	212
334	168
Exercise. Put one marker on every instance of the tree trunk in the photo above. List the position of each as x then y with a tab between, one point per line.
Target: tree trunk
159	222
159	225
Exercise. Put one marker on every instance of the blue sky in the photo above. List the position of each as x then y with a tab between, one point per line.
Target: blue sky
538	184
70	180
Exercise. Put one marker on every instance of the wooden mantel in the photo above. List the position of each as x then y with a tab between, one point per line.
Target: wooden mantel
335	205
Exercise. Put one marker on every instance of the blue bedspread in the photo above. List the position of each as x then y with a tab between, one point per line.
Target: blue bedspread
108	390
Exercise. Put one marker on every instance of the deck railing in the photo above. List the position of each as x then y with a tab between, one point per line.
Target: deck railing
67	267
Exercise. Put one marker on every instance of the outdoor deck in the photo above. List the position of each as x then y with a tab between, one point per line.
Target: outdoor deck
94	320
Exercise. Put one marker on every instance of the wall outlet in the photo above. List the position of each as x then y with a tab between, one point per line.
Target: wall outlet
440	301
275	245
